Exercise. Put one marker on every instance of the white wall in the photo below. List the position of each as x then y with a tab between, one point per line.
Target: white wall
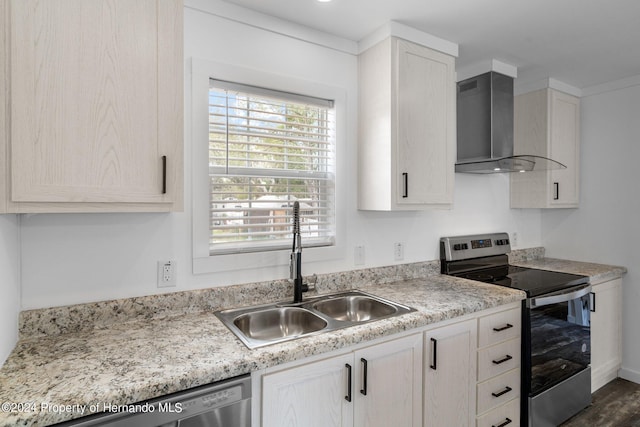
9	283
606	229
74	258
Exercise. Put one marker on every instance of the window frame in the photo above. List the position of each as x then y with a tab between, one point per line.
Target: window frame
234	161
201	73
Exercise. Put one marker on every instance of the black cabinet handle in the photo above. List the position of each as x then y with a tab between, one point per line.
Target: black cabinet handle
434	355
556	191
164	174
504	328
364	376
505	391
348	396
593	302
505	359
405	185
506	422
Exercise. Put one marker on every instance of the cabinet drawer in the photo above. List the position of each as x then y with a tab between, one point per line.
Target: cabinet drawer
498	390
499	327
498	359
507	415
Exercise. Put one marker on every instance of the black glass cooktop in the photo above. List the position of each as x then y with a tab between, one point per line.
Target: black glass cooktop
531	280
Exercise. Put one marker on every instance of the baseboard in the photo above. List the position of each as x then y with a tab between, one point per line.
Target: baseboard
604	374
600	379
630	375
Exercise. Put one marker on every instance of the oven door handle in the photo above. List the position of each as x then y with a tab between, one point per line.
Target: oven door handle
560	297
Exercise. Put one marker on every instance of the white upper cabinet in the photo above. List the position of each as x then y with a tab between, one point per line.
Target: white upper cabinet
547	123
96	106
406	127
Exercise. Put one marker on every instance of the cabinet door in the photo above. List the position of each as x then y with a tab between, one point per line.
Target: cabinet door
606	333
391	376
97	100
4	102
450	375
547	123
425	90
564	147
311	395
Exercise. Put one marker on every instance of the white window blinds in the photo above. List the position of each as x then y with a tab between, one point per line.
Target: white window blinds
268	149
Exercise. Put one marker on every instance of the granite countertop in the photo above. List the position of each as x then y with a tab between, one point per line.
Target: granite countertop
53	377
597	273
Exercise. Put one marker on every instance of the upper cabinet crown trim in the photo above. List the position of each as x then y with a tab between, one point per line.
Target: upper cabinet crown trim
549	83
395	29
242	15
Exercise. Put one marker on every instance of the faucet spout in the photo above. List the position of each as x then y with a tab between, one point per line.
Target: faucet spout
295	266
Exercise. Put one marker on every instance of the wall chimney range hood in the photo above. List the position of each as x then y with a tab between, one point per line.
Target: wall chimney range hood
485	128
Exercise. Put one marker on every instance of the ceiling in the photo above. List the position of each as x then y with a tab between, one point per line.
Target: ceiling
578	42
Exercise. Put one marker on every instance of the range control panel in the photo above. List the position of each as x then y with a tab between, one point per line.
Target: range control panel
474	246
482	243
460	246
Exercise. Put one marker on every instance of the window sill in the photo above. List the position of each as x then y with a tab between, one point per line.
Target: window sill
239	262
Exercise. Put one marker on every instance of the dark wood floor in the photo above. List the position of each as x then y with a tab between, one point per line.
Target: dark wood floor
617	404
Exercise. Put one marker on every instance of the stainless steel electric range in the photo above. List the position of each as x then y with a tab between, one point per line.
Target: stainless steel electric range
556	347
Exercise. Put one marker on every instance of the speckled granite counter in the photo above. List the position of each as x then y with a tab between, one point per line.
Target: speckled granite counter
126	351
597	272
128	362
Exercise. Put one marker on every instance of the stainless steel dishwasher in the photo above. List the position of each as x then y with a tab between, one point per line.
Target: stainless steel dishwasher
222	404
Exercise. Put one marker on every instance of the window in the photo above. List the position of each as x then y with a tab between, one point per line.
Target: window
268	149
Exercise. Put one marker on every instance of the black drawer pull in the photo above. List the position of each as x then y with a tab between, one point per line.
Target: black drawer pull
505	359
505	391
506	422
164	174
405	185
434	365
348	396
364	376
504	328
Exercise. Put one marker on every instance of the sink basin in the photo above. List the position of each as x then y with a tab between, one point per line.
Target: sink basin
278	322
273	323
354	308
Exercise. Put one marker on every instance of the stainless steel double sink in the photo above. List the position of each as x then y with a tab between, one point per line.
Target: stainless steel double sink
267	324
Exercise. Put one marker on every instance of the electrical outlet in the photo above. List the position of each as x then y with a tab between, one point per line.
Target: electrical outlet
398	251
514	239
166	274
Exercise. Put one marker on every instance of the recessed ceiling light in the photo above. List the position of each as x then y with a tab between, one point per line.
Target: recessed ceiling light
323	1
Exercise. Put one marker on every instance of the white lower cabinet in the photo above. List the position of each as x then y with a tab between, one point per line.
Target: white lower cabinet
308	395
472	371
498	390
462	373
509	414
606	332
450	375
379	385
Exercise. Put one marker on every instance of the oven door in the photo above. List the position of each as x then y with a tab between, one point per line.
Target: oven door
559	355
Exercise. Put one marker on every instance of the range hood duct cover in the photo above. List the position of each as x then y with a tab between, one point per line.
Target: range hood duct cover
485	128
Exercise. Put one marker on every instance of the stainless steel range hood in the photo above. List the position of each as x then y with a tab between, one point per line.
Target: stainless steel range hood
485	128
